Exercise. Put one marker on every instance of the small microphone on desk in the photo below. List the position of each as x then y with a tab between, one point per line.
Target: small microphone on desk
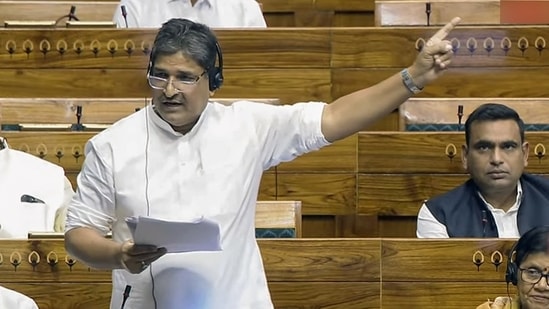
72	13
484	222
126	295
124	14
460	115
78	125
428	12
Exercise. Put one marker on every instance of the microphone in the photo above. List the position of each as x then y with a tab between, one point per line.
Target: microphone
428	12
72	13
70	16
78	125
126	295
124	14
460	115
484	222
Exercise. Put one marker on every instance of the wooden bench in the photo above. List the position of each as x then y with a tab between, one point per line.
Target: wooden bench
414	12
278	219
302	273
297	13
61	113
438	114
345	274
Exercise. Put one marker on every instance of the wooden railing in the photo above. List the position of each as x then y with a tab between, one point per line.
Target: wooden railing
302	273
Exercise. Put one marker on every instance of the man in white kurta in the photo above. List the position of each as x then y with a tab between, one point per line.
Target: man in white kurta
33	194
187	157
11	299
214	13
213	171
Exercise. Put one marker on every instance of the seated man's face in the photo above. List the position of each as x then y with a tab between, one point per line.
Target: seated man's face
496	156
534	294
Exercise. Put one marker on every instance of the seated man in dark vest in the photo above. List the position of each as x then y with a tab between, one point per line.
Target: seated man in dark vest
499	199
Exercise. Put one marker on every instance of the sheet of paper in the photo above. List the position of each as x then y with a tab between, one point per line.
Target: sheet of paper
198	234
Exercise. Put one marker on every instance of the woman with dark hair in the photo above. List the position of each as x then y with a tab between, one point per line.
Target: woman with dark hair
528	270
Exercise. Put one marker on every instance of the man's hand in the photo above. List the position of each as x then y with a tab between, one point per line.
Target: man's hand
435	57
136	258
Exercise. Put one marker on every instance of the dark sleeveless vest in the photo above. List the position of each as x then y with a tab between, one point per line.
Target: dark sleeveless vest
461	209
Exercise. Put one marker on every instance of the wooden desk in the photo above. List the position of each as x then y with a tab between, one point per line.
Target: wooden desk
302	273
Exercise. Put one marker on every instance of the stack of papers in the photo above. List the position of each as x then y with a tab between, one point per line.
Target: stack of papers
176	236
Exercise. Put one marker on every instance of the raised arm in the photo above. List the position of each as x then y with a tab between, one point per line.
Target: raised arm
353	112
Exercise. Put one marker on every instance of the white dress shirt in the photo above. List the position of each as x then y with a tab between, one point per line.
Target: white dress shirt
213	13
140	166
12	299
429	227
32	191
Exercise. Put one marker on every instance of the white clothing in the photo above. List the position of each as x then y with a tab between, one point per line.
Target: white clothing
31	192
213	13
429	227
12	299
140	166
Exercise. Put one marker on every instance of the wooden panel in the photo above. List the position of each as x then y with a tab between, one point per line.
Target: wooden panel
409	152
279	214
375	47
413	12
347	6
94	110
267	187
444	260
338	295
337	157
305	85
68	144
479	82
66	295
265	48
444	110
447	295
401	194
53	10
319	226
427	152
336	260
321	194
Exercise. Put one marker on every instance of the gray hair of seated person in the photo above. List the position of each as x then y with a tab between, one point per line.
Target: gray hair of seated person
493	112
195	40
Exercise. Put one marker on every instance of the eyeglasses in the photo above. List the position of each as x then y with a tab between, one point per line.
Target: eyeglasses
532	275
179	83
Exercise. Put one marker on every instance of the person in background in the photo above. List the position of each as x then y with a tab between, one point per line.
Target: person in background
213	13
499	199
528	270
34	194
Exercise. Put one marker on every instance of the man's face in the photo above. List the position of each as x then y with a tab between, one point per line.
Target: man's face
179	103
534	296
495	157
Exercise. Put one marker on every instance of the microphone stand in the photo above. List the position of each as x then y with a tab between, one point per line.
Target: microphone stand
428	12
70	16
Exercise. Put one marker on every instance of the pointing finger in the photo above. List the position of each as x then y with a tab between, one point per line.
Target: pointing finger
444	31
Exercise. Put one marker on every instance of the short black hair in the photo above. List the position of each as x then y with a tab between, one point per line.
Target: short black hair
194	40
493	112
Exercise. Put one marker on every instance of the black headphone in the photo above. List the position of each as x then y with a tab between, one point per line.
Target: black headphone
511	273
215	74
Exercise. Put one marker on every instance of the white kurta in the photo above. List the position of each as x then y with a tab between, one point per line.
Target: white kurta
40	182
213	13
140	166
12	299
